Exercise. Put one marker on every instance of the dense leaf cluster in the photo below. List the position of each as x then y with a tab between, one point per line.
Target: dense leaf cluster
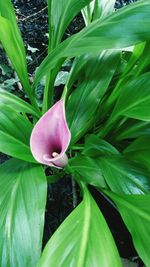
107	98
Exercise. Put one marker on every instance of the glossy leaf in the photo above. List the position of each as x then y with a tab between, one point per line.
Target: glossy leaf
126	74
143	64
103	8
15	148
22	208
15	124
15	102
87	170
134	100
84	101
94	147
133	129
12	42
60	15
123	176
135	211
87	13
81	240
15	133
97	9
96	37
139	151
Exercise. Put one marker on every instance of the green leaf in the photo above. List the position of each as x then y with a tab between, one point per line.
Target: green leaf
87	170
135	211
7	11
133	129
134	100
143	64
22	207
16	103
97	9
12	42
103	8
123	176
96	37
84	101
60	15
81	240
15	133
126	74
94	147
139	151
15	148
15	124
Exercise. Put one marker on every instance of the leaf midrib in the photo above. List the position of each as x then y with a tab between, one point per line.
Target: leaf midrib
85	231
125	174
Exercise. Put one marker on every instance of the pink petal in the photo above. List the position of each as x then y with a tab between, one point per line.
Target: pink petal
50	137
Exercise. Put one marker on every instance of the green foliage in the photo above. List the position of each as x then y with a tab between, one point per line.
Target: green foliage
60	16
107	97
78	245
84	101
15	133
135	211
87	170
15	102
123	176
96	37
22	207
12	41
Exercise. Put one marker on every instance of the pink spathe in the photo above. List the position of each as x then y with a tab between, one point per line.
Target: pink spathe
50	137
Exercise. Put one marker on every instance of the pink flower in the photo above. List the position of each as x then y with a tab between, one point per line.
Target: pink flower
50	137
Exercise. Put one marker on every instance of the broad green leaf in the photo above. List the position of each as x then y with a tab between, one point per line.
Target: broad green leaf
134	100
133	129
96	37
126	74
15	124
139	151
143	64
84	101
22	208
15	133
12	42
15	102
61	13
7	11
15	148
135	56
123	176
97	9
135	211
87	170
103	8
95	147
76	71
81	240
87	13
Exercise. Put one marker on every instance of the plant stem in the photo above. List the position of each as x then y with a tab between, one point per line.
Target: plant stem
74	193
48	93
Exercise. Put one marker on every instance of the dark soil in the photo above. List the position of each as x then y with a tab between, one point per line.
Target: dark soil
32	19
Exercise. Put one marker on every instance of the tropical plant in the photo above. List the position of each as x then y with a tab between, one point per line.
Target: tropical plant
107	99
